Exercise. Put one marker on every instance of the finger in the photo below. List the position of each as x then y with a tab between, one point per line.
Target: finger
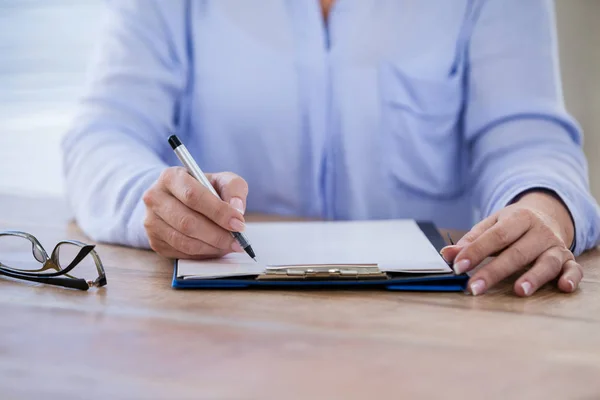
190	223
547	267
523	252
496	238
477	230
200	199
164	249
571	276
159	229
450	252
232	188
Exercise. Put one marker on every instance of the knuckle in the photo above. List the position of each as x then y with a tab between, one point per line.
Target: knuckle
180	171
521	213
168	174
220	212
177	172
154	244
497	272
566	254
469	237
201	193
172	238
240	183
148	197
148	224
536	278
519	255
181	244
525	215
501	235
549	235
186	246
188	194
222	240
164	175
475	251
491	275
195	197
554	263
186	225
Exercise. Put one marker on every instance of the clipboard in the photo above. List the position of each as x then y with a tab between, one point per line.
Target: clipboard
336	276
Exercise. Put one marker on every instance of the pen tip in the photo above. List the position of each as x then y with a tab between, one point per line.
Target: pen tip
254	258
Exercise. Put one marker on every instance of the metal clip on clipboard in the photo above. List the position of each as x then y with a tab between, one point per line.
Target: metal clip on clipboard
323	272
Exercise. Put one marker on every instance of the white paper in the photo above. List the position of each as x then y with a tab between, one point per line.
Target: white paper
394	245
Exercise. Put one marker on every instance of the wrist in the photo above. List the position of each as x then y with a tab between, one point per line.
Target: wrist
551	205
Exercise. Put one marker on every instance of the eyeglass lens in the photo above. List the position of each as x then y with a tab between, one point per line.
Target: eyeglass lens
86	269
20	253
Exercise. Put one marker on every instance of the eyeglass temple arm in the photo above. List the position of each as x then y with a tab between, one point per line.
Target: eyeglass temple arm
85	250
73	283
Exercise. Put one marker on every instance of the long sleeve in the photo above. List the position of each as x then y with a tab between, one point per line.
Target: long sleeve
519	134
111	154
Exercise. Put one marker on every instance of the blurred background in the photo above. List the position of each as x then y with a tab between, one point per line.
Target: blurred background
44	49
45	45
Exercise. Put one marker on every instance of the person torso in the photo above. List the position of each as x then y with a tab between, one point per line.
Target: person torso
358	117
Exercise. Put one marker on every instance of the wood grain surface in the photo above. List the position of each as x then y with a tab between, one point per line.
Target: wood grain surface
139	338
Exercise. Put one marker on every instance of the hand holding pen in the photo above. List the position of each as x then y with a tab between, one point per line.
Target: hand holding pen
186	219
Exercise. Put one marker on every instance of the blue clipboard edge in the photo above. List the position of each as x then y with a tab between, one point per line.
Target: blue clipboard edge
428	283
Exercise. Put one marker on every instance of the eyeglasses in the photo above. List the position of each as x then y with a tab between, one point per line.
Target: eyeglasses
23	257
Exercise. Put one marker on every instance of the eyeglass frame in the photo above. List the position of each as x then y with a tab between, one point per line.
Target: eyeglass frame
55	278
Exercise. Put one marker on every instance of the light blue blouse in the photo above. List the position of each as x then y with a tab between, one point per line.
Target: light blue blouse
428	109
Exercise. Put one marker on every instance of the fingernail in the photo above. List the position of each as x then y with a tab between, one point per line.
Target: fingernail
237	248
477	287
527	288
237	225
444	250
238	204
461	266
572	284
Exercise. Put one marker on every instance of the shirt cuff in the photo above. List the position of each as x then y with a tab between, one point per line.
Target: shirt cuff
135	233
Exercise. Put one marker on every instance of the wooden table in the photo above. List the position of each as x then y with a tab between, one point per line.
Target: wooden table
139	338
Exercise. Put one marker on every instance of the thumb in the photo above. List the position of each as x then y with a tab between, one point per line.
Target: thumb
232	188
449	253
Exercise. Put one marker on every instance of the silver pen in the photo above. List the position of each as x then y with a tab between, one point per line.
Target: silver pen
190	164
